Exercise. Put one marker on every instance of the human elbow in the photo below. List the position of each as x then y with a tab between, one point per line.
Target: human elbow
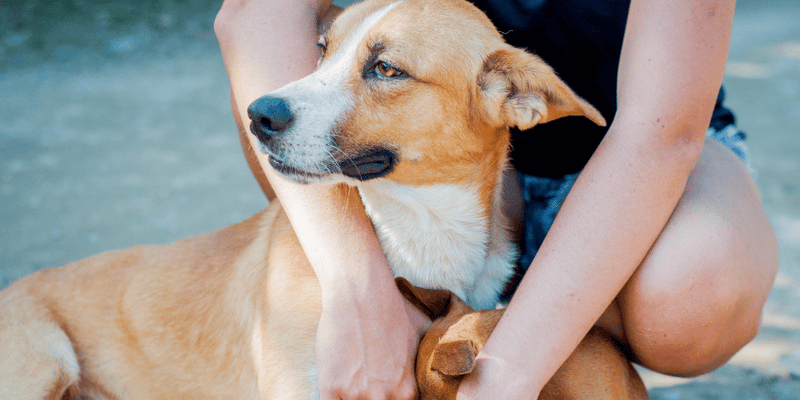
678	134
687	136
687	142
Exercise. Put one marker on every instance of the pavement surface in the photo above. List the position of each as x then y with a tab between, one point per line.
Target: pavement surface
115	130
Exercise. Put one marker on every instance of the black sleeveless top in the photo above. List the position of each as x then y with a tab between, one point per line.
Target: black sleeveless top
582	41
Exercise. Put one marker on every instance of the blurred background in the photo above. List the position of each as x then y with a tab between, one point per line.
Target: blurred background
116	130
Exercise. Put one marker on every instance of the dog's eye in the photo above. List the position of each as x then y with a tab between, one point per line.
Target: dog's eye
322	43
387	70
323	48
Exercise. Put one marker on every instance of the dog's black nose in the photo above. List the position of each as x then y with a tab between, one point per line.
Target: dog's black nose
269	116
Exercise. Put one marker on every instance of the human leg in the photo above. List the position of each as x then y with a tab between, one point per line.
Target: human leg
697	297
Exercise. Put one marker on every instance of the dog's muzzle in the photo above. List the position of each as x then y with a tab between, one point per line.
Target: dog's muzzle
271	118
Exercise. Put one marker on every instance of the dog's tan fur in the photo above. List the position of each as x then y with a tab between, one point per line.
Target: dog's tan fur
200	318
233	314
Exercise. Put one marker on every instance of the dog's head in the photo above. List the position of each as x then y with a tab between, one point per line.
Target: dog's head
412	90
447	351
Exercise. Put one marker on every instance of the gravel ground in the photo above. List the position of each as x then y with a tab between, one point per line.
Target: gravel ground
115	130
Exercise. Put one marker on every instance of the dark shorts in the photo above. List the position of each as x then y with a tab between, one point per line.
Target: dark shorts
543	197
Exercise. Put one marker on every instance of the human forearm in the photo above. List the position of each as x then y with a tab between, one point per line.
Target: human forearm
266	45
260	57
258	60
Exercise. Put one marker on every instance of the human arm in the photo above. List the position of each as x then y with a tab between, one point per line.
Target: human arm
671	69
365	342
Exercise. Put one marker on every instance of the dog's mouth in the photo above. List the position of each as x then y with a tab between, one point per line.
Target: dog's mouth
374	164
371	165
296	174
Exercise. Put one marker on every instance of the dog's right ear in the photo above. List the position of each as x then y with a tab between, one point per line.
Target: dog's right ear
454	358
518	89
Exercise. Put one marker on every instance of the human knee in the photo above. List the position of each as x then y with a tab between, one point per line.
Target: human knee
721	244
692	354
692	320
698	333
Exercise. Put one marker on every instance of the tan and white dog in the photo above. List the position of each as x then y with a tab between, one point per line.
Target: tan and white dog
411	104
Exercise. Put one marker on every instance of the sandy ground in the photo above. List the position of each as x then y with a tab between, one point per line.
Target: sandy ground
116	132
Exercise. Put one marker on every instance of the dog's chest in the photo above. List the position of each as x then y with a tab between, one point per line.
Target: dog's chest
437	237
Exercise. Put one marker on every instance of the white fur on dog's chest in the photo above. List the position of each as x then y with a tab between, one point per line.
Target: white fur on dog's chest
436	237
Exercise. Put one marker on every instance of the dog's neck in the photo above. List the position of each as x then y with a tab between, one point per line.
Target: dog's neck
442	237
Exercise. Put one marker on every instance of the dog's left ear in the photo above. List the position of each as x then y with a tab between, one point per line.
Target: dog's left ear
454	358
518	89
434	303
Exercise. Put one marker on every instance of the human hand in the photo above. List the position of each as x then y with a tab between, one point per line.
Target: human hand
494	378
367	351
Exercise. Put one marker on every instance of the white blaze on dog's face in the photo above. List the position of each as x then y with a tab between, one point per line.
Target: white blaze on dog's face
416	91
